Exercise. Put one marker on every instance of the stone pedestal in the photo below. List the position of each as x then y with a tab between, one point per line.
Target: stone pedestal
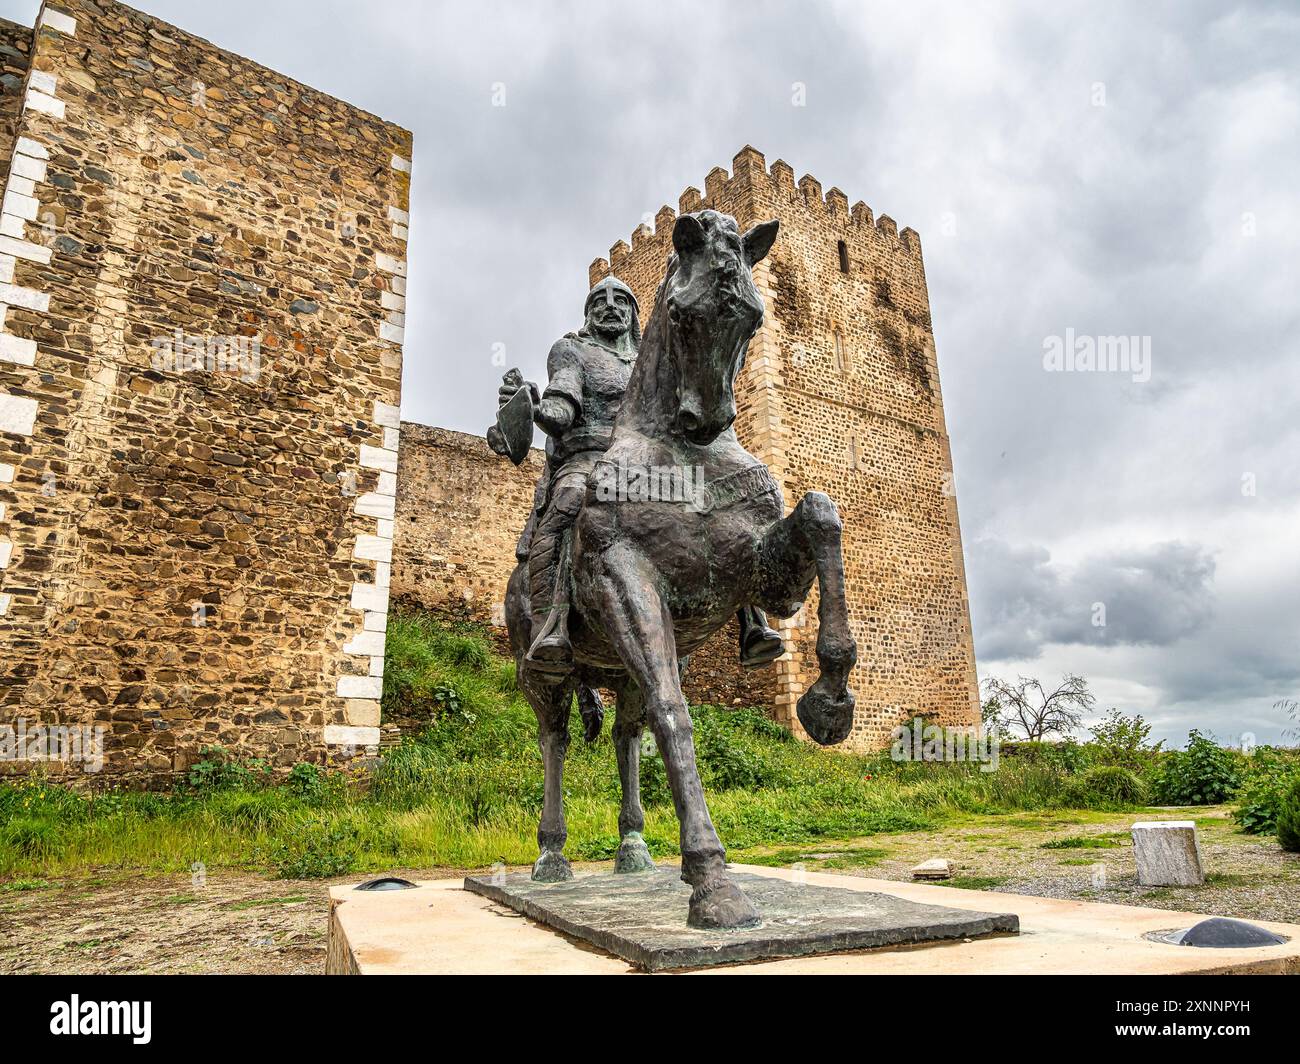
641	917
1167	854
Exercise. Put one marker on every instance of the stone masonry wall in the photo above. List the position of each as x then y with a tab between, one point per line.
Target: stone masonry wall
460	511
15	60
840	393
202	263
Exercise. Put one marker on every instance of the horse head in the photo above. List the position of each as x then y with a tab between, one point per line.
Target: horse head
712	309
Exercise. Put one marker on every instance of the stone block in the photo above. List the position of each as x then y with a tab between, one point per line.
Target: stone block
934	868
1167	853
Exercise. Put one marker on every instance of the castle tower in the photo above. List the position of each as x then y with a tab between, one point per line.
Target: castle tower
202	272
840	393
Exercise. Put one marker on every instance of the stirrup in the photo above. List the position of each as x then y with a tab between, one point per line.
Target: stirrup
551	652
761	646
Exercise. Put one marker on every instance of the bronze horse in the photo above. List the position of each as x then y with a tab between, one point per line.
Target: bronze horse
652	579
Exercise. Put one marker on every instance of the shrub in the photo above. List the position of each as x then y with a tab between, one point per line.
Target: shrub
1121	740
219	770
1203	774
1066	756
32	836
1288	820
1268	779
314	785
312	849
1106	787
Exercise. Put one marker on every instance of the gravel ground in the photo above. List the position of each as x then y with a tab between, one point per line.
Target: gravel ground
1246	876
111	922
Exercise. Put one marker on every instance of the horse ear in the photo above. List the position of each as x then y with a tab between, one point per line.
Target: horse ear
688	234
759	240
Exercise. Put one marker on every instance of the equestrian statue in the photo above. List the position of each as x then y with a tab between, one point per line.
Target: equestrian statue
651	527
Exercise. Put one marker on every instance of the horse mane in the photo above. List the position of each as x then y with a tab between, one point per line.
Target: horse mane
651	372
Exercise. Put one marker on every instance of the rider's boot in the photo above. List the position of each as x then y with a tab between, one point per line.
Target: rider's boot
759	643
551	652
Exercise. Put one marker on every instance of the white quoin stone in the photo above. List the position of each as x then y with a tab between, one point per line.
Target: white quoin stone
387	415
1167	853
343	735
396	214
27	146
6	473
7	263
365	644
17	349
39	101
18	296
372	504
4	605
387	484
378	458
6	552
43	81
392	439
360	686
373	549
25	249
370	598
17	414
390	332
389	264
12	225
25	166
400	163
377	622
53	19
21	206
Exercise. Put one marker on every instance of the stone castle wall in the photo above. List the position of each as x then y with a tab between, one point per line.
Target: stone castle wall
840	393
202	266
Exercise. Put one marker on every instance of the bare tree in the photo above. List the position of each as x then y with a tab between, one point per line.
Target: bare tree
1026	706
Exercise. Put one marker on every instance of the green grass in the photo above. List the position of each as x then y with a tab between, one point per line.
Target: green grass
465	790
1108	841
975	882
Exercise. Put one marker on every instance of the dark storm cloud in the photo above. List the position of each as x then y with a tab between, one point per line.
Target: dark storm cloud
1111	168
1147	596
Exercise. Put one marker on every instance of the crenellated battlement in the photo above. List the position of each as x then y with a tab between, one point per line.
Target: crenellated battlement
749	166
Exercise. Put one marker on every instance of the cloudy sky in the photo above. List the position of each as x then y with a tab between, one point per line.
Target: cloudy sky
1104	169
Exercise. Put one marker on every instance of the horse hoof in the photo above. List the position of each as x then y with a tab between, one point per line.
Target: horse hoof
551	867
722	907
828	718
633	854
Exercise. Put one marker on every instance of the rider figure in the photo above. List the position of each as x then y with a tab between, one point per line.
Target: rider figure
588	374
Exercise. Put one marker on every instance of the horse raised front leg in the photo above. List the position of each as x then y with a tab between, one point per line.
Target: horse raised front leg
641	629
808	542
629	724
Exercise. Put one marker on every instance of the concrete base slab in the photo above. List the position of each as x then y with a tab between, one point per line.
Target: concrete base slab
441	928
642	917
